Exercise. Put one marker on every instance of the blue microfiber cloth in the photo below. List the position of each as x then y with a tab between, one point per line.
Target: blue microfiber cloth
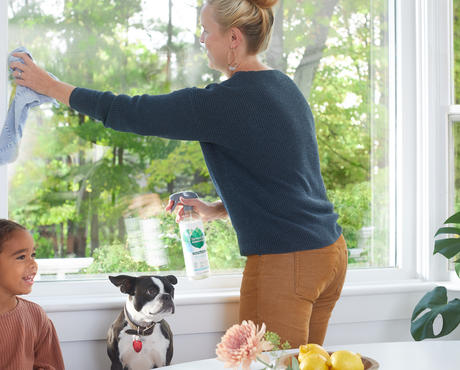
24	99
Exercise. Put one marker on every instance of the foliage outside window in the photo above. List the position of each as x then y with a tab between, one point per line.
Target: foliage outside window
86	191
456	100
456	126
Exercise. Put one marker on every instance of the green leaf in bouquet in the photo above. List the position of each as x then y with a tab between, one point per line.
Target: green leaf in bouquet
294	364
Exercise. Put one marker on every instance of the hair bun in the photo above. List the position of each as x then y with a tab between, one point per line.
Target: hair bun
264	4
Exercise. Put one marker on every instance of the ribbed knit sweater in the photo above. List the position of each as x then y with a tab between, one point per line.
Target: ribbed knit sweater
258	138
28	340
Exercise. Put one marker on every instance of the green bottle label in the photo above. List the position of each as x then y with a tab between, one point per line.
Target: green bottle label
194	237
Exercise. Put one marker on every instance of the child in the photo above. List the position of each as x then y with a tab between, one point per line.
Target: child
28	339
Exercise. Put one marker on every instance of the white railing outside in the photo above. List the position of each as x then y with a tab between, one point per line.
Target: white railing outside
61	266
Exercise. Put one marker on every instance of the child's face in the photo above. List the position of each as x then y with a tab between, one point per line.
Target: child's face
17	264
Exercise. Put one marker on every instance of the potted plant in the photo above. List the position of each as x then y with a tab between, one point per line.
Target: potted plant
436	301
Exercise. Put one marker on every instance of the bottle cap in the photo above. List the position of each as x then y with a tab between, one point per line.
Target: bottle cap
184	194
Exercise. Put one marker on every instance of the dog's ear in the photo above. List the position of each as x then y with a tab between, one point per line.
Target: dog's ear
126	283
172	279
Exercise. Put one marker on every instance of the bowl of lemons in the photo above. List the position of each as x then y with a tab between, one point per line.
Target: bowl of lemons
314	357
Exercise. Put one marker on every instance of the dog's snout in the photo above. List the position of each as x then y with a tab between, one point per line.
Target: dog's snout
166	297
167	302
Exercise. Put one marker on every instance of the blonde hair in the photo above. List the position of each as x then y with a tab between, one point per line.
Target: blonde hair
254	18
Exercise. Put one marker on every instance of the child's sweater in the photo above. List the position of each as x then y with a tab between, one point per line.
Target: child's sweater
28	339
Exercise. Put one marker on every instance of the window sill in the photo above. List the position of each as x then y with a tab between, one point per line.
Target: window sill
101	295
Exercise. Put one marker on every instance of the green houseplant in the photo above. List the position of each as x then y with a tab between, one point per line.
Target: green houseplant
436	301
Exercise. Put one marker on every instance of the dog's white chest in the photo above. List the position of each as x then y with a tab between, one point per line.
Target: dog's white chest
153	353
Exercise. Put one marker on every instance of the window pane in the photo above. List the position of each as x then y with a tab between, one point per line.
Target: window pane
455	185
455	123
98	195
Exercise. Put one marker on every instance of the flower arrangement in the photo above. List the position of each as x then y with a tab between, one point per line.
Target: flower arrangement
242	344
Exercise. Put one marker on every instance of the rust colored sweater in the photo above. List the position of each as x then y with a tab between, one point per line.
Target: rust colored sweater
28	339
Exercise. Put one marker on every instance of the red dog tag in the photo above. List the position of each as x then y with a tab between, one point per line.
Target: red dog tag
137	344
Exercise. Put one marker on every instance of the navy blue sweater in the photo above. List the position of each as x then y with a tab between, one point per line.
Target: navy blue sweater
258	139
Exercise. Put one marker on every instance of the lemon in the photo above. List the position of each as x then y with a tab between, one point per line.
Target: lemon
314	361
346	360
315	348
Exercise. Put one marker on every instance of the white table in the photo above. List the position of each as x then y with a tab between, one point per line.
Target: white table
425	355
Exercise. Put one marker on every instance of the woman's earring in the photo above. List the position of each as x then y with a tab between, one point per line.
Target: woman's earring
232	64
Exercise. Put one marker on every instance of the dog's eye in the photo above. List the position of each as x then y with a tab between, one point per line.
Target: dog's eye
150	292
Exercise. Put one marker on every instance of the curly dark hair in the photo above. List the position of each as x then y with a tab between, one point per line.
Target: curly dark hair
7	228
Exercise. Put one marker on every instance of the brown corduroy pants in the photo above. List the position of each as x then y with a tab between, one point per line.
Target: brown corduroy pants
294	293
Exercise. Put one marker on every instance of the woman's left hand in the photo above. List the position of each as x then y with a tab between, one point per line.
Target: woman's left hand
30	75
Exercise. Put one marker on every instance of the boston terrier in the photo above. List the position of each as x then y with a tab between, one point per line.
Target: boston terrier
140	338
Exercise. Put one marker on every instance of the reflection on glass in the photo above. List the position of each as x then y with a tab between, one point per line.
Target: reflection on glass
89	192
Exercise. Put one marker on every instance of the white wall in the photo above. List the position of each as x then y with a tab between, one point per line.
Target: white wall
365	313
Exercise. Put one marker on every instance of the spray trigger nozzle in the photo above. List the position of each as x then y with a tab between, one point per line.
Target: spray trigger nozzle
184	194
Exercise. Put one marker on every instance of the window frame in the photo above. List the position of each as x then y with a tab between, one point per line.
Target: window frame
434	93
3	100
422	37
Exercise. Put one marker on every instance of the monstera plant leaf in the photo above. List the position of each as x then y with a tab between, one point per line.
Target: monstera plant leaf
450	247
436	303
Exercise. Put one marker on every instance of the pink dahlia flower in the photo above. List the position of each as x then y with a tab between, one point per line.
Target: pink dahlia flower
241	344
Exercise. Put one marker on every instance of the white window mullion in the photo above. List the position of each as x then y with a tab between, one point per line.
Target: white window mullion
3	100
434	80
406	143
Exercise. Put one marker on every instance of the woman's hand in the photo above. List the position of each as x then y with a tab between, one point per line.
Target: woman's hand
207	211
28	74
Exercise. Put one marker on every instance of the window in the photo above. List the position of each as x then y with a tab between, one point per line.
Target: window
455	111
98	195
454	117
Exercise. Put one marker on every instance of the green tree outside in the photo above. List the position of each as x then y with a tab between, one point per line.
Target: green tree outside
75	179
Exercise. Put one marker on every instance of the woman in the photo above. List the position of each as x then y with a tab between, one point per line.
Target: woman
258	138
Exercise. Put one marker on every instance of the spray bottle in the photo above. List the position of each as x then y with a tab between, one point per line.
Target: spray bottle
193	239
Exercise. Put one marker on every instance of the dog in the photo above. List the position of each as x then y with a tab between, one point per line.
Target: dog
140	338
